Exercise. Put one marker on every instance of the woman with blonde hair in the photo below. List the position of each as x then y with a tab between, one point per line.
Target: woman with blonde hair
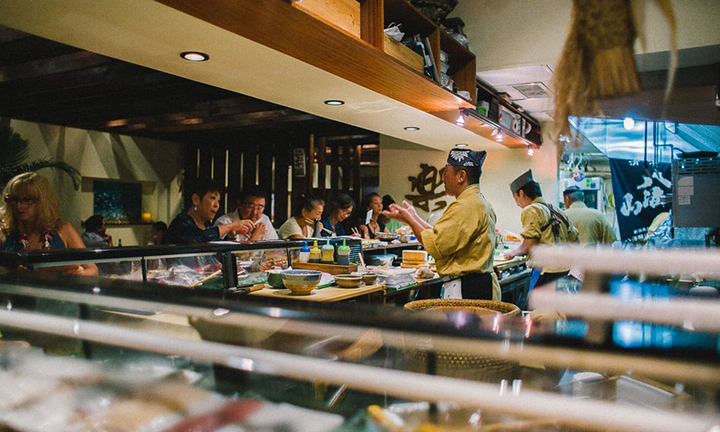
30	220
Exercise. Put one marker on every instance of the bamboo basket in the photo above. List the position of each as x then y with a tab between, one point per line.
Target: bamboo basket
466	366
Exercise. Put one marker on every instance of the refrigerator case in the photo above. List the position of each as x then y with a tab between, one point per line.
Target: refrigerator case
695	198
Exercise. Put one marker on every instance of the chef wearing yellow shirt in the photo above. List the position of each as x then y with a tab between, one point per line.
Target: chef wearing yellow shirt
462	241
542	223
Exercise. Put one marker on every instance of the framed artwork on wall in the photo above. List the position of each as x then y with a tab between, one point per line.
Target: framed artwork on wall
118	202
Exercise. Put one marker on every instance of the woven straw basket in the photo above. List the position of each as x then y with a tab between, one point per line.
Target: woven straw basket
467	366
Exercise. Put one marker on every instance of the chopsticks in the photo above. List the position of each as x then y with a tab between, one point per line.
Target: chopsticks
355	231
206	278
328	231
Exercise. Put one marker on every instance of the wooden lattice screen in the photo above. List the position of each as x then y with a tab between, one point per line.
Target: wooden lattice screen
267	160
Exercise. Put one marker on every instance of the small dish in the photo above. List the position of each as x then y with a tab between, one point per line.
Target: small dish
369	278
348	280
383	236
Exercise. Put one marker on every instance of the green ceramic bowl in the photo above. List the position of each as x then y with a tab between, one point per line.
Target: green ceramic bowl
275	279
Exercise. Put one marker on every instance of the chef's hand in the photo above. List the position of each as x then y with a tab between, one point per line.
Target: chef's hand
508	255
398	213
410	209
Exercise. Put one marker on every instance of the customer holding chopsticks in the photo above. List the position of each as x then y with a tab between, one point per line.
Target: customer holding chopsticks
302	223
339	208
195	224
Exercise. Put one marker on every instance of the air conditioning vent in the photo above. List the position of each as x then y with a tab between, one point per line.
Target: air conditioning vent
536	90
698	166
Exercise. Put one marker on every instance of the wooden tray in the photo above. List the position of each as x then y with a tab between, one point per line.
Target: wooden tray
333	269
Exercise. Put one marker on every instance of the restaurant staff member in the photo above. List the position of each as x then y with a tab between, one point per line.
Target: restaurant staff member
462	241
542	223
592	226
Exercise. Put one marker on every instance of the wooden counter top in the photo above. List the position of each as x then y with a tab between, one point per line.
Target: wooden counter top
329	294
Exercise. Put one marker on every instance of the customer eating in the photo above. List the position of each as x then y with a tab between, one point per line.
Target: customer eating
194	225
302	223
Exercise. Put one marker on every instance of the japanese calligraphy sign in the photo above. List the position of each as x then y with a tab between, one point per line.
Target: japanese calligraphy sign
429	187
638	195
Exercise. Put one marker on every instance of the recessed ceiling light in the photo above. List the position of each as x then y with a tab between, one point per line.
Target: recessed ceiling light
412	128
461	145
334	102
194	56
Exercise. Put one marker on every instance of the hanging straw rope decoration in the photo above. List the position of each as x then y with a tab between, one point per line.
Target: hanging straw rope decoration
597	60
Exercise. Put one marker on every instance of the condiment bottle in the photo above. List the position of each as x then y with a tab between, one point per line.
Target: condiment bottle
344	254
304	253
315	253
328	253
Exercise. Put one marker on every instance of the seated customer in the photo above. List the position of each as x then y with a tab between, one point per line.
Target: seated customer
30	216
158	232
301	224
375	223
339	208
95	235
194	225
250	205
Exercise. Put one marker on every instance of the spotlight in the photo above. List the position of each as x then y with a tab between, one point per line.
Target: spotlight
461	145
334	102
194	56
412	128
530	151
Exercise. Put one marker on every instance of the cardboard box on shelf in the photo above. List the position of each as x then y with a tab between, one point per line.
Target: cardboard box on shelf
403	53
344	14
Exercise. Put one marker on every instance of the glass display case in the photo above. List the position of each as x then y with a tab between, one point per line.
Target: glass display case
215	265
86	353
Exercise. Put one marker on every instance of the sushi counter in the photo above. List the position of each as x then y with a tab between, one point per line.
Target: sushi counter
86	353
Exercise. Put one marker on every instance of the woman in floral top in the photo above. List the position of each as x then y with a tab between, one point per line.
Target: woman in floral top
30	215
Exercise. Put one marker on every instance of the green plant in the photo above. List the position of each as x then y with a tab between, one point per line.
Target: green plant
15	151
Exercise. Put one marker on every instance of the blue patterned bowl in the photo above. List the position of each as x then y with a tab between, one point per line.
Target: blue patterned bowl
301	281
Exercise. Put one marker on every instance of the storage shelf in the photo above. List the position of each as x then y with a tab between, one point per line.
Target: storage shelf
359	60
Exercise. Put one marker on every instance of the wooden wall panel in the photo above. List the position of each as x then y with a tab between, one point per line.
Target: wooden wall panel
283	159
320	146
249	164
218	174
205	162
234	169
